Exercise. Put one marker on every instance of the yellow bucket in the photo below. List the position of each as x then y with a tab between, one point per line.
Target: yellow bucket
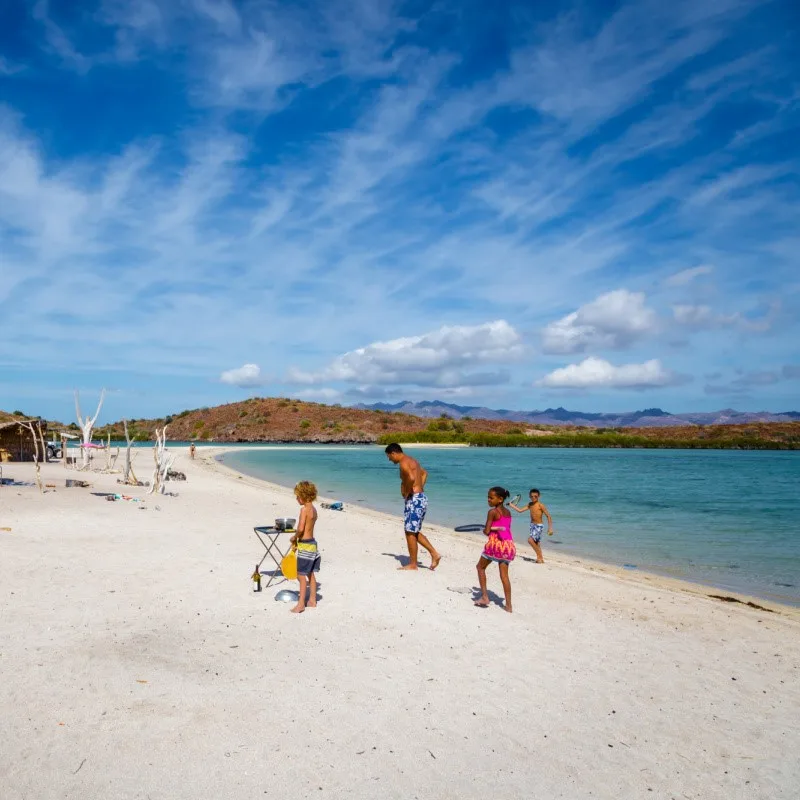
289	565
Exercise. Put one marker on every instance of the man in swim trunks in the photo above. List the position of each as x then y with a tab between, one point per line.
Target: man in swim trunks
412	487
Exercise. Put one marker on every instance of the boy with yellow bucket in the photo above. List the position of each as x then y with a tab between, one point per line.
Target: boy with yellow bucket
304	548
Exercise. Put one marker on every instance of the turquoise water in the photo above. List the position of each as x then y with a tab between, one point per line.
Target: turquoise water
725	518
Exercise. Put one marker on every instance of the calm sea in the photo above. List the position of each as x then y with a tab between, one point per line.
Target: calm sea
727	518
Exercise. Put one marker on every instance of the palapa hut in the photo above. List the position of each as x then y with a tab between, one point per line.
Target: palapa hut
16	441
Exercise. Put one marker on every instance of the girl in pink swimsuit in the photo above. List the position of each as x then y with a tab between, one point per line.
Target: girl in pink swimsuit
499	546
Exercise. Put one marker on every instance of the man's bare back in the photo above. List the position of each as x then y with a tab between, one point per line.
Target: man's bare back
412	476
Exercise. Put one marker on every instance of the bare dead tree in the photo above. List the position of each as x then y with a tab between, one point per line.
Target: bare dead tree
127	475
110	460
41	440
163	460
86	425
35	428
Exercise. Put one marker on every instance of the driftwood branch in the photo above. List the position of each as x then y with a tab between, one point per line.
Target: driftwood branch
35	428
163	462
128	475
41	441
111	460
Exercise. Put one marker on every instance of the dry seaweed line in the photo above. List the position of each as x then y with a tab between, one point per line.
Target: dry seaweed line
726	598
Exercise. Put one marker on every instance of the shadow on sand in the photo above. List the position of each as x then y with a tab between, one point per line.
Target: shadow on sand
402	560
530	560
494	598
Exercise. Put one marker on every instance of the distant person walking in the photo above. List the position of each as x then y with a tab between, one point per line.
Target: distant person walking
412	487
192	450
538	510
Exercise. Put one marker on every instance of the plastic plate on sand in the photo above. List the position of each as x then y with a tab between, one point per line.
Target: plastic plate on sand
287	596
469	528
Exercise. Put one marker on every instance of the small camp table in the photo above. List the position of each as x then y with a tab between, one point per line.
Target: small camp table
268	536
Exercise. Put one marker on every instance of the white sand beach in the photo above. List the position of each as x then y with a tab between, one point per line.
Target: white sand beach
137	662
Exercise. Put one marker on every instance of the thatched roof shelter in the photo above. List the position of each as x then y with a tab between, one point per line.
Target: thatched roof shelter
16	441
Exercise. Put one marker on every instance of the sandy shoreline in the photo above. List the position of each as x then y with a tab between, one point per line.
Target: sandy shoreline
638	576
137	662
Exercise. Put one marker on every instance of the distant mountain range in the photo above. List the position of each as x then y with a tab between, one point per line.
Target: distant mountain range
646	418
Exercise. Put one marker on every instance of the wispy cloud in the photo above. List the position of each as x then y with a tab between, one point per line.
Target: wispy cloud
8	67
703	317
686	276
587	80
751	382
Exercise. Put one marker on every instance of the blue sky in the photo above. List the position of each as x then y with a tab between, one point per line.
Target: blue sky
594	205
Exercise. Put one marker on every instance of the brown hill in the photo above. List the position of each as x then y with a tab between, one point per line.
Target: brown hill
283	420
275	419
762	431
6	416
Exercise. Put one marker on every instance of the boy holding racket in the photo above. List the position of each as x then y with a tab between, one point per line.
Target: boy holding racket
538	510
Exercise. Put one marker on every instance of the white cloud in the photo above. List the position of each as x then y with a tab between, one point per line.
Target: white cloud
323	394
446	357
596	373
245	377
688	275
614	320
412	393
703	317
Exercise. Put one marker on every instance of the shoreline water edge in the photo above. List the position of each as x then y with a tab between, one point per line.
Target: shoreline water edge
215	457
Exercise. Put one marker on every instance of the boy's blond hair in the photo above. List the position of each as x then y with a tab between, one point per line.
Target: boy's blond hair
306	491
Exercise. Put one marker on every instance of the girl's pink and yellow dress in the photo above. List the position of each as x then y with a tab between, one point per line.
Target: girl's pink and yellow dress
500	546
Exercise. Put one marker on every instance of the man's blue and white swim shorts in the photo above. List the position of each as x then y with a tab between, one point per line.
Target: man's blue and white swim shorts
414	513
